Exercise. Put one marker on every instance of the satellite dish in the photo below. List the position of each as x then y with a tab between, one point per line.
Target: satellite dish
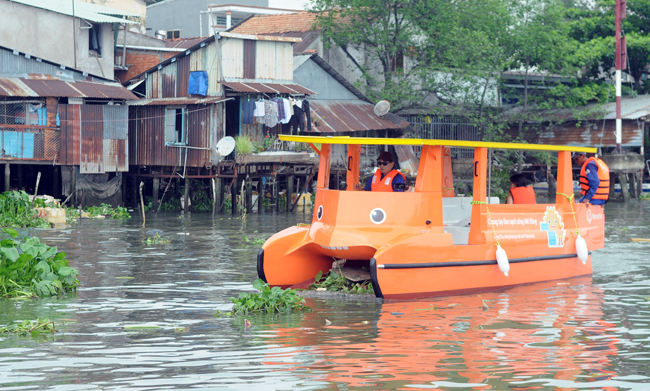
225	146
382	107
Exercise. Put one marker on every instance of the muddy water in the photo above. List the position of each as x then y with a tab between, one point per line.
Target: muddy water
143	320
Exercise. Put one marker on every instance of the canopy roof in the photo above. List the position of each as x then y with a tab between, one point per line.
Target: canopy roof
419	141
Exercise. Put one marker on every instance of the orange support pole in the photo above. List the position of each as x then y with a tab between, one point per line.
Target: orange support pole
479	219
564	178
354	159
324	167
430	170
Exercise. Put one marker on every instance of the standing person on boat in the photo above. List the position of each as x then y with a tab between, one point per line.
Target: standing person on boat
386	178
594	179
520	192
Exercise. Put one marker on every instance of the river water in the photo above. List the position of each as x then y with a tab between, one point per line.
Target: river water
143	319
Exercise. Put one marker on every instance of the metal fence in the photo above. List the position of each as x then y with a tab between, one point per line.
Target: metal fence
26	143
445	128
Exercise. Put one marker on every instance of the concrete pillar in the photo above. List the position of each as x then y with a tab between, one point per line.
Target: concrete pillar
186	197
624	190
7	176
612	182
156	188
633	182
220	195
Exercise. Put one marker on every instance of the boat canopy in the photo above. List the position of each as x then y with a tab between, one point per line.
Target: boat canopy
422	142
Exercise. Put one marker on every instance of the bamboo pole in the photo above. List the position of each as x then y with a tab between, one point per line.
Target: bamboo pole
142	204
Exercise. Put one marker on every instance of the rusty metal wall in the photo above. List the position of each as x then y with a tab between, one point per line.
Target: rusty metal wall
211	65
588	134
182	76
232	53
274	60
115	122
250	49
70	134
92	139
169	74
147	140
116	157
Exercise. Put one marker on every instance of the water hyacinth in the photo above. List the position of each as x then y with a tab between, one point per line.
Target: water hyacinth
30	268
269	300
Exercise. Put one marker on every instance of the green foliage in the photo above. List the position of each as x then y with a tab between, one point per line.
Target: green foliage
269	300
108	211
254	240
157	239
244	145
17	211
42	203
31	268
30	327
336	282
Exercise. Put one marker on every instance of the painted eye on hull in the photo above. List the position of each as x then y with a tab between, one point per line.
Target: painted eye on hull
319	214
377	216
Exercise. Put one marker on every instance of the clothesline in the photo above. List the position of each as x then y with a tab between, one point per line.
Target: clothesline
271	112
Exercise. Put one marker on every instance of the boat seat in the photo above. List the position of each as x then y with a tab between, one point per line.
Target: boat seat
463	223
460	235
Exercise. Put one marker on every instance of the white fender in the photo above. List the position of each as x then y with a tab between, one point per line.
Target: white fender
581	249
502	260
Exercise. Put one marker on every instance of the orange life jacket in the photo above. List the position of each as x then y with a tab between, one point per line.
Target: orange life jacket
385	184
602	193
523	195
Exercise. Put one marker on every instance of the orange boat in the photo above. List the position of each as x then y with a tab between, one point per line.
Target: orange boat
427	242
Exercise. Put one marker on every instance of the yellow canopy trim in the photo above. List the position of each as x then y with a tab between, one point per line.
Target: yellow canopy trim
419	141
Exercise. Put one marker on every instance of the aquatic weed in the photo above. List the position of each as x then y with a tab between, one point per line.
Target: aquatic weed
30	268
336	282
16	210
31	327
269	300
157	239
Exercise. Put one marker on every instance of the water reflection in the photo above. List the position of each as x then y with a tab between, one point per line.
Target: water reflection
494	340
143	320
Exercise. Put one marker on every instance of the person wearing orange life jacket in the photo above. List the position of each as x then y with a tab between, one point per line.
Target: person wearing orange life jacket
594	179
520	192
385	178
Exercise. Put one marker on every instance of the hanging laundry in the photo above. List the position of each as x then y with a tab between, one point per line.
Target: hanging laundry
305	107
259	109
270	113
287	111
280	104
248	109
298	120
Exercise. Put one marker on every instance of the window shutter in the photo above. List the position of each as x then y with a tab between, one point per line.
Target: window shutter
170	125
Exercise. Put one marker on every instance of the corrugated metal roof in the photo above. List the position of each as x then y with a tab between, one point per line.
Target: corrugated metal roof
350	116
260	37
178	101
91	12
272	88
47	86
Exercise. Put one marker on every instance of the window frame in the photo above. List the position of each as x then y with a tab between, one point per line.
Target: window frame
183	130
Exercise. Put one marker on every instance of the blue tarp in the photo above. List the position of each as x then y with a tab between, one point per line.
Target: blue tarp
198	84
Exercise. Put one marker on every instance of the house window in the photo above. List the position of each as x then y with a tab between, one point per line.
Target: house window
95	40
176	125
173	34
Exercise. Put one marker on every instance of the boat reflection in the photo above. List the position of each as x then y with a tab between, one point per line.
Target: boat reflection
551	330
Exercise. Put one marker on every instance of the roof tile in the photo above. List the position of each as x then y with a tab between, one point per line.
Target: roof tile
302	21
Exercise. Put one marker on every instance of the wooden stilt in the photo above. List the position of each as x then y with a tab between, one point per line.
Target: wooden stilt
260	194
289	202
233	196
134	191
156	188
7	176
219	193
186	204
276	193
249	196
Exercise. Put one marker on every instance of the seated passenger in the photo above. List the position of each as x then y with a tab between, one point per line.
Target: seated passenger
520	192
385	179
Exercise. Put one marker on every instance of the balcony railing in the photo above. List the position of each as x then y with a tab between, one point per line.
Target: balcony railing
29	142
